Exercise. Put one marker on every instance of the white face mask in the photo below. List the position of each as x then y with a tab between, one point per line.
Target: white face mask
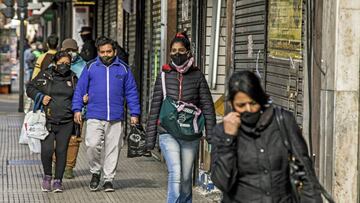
74	55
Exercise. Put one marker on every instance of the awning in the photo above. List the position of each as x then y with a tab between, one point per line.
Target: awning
46	5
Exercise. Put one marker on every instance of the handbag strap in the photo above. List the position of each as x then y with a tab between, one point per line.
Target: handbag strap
163	84
285	137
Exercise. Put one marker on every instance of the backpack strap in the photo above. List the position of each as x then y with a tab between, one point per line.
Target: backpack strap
163	84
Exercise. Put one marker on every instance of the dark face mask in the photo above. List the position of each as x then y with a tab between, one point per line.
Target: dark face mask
86	37
179	59
63	69
250	119
107	60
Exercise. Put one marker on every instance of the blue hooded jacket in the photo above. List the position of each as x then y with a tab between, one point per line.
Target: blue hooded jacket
107	88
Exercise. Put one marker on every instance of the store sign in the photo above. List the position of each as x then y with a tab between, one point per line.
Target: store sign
48	15
83	2
285	28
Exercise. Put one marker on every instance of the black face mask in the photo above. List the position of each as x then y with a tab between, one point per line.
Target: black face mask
86	37
250	119
107	60
179	59
63	69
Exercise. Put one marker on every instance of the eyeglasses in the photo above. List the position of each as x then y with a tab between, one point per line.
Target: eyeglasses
180	51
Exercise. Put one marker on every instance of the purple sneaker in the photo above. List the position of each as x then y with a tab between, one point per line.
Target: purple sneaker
57	186
46	184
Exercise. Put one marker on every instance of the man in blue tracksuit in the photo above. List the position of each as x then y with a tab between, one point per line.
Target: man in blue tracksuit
107	81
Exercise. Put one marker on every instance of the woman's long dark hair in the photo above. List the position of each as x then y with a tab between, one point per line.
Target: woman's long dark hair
248	83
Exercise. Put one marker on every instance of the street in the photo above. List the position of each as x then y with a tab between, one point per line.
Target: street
137	179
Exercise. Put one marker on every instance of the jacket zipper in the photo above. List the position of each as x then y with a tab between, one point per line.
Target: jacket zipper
108	93
180	86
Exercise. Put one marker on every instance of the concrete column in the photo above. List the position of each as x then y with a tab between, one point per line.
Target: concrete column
340	99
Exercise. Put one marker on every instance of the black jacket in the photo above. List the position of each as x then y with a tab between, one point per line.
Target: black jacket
88	50
60	89
195	90
254	167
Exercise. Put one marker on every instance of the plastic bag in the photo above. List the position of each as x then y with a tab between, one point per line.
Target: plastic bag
35	120
35	125
23	139
136	142
34	145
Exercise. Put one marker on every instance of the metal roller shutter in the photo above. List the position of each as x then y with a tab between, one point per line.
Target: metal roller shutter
106	18
100	22
155	42
249	34
113	19
146	62
284	72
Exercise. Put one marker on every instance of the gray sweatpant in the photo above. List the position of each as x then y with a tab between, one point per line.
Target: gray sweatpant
107	135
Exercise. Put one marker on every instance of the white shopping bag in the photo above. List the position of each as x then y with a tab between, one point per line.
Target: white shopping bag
34	145
23	139
36	125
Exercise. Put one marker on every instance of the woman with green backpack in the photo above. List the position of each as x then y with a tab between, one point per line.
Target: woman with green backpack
181	108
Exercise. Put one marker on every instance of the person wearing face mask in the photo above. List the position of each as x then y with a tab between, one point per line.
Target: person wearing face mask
56	84
88	50
46	59
77	62
77	65
249	160
107	81
185	83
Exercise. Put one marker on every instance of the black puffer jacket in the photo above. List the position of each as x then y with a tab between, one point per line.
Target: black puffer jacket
194	89
254	167
60	89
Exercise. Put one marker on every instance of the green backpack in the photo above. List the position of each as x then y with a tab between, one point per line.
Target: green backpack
182	120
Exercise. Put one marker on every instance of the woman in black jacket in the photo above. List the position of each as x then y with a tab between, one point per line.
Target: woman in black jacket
56	85
250	162
183	82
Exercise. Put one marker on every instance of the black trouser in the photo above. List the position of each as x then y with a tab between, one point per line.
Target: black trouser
61	135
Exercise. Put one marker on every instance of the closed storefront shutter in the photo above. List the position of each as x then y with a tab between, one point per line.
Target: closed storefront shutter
285	74
249	34
113	19
155	42
146	61
270	42
106	18
130	46
99	18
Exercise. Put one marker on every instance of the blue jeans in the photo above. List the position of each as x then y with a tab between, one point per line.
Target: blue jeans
179	156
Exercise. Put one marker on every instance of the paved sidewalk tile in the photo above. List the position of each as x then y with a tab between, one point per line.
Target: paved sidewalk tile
137	180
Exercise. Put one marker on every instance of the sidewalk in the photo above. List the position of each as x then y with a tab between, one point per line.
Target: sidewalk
137	180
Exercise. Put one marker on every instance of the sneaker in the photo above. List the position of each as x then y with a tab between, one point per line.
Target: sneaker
95	182
46	184
57	186
69	173
108	187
